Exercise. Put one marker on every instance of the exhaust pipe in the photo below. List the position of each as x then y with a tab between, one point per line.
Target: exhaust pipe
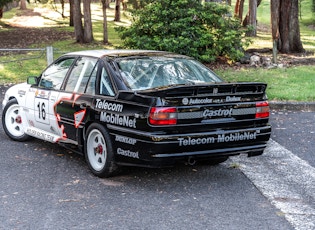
191	161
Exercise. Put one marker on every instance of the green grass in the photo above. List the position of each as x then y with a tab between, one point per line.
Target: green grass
284	84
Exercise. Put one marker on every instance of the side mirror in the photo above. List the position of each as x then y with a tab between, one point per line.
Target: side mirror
32	80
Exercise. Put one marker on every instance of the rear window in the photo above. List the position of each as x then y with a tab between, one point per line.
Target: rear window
151	72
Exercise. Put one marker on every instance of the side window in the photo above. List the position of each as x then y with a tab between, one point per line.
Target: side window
54	75
80	74
90	89
105	84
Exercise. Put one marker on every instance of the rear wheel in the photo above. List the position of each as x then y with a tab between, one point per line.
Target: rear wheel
12	121
99	151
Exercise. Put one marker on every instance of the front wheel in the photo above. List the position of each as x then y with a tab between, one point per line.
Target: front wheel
12	121
99	151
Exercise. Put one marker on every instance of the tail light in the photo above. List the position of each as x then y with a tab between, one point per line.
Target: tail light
163	116
262	109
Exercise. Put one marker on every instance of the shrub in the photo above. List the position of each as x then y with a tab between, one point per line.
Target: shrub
203	31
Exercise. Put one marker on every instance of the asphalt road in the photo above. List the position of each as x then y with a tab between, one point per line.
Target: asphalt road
296	131
44	186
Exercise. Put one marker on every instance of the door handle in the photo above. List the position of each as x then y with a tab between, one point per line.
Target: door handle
83	106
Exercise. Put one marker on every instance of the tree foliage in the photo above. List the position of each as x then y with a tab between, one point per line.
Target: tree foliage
203	31
4	2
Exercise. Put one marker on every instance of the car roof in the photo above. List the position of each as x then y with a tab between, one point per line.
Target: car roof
116	53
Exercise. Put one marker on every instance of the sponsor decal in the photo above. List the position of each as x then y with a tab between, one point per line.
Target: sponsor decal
103	104
78	117
217	113
40	135
127	153
195	101
220	138
126	140
117	119
196	141
42	94
233	98
237	137
21	92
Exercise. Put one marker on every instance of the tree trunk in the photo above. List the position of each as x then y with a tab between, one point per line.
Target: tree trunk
88	30
62	2
71	13
77	21
289	29
252	18
1	12
23	5
239	9
117	11
105	31
274	9
246	20
124	5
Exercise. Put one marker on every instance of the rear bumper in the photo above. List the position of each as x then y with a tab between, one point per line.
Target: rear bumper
149	149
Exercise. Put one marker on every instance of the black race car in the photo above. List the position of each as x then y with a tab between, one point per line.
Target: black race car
140	108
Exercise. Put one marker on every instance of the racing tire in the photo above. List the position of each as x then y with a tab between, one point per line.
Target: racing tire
12	121
99	153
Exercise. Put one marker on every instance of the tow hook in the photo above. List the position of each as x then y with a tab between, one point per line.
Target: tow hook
191	161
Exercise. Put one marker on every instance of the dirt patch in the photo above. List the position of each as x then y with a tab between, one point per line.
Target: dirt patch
21	37
30	27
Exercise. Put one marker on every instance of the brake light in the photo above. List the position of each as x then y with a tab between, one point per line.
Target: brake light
262	109
163	116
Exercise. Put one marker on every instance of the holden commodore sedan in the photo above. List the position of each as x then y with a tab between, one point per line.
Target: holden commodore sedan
138	108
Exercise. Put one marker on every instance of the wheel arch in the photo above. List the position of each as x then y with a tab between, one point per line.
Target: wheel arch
82	134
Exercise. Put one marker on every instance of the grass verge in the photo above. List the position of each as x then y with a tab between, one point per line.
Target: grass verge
284	84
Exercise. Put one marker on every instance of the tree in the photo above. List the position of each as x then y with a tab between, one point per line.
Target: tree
105	31
23	5
88	30
285	25
117	11
83	34
71	13
252	18
239	9
2	4
205	31
77	21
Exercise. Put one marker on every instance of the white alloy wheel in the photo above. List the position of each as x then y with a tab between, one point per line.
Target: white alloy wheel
96	150
12	121
99	152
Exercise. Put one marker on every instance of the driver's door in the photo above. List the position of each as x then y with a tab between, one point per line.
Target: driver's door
42	98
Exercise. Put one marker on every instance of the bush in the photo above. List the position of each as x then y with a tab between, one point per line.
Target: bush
203	31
